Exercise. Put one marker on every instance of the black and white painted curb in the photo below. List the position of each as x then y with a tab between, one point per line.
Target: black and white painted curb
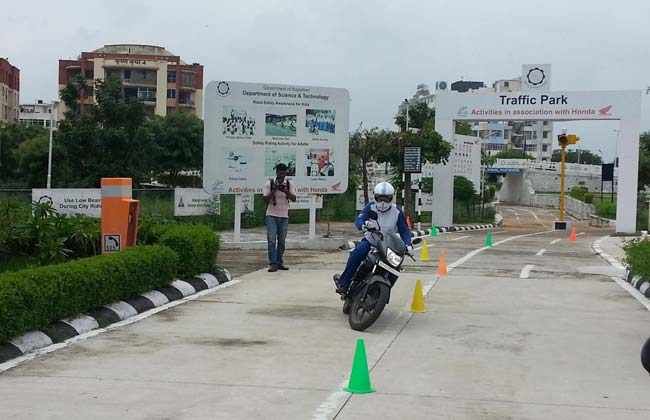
427	232
60	331
641	284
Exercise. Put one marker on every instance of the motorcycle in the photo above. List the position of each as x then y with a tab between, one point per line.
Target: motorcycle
369	290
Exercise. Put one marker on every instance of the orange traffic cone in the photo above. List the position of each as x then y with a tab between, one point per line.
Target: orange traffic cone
572	237
408	222
442	267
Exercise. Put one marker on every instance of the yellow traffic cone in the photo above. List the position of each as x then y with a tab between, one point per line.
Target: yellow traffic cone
424	254
442	267
418	299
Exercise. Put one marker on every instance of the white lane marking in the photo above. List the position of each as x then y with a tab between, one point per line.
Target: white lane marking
49	349
581	233
554	241
332	405
499	231
462	237
625	285
525	272
541	252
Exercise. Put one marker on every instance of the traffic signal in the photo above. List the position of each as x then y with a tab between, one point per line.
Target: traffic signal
565	139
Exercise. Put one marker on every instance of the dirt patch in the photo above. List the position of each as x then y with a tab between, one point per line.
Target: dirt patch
239	262
302	312
227	342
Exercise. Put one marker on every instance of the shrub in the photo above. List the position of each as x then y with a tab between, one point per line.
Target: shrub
588	198
32	298
606	209
637	257
196	246
578	192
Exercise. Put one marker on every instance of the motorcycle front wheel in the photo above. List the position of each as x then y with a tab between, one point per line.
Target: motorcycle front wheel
364	314
347	303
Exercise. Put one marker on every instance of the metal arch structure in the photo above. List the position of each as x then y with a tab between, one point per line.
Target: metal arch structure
555	106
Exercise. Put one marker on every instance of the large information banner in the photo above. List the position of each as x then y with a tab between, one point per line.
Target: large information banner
252	127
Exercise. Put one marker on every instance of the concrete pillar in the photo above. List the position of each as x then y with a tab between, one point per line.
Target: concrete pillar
161	89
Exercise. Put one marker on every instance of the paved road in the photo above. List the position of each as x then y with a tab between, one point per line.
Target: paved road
511	333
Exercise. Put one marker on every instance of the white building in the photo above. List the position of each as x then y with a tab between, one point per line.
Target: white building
39	114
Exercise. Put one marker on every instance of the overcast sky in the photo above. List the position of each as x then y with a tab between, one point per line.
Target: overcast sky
378	50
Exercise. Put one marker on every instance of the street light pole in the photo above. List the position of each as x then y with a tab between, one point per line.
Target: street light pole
49	156
601	175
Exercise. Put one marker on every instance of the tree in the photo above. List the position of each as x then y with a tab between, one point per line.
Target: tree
177	143
108	139
433	148
365	146
511	154
644	160
31	159
419	114
464	191
12	136
463	128
586	157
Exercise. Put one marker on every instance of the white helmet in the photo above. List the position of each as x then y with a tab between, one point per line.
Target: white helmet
382	191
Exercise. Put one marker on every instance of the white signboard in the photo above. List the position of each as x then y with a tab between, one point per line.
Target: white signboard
467	159
361	200
252	127
195	202
427	201
535	105
302	202
247	202
535	77
86	201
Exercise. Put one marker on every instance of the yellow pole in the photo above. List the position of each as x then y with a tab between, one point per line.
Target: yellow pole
562	185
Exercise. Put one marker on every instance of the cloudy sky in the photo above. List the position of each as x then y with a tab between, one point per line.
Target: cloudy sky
378	50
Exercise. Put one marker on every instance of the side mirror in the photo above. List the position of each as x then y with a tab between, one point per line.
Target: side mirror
372	214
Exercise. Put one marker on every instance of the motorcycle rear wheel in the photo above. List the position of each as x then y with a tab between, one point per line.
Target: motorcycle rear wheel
645	355
364	314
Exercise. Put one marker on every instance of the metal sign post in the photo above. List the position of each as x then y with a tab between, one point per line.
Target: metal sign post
312	216
238	205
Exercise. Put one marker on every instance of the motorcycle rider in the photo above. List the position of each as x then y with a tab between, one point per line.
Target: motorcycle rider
390	219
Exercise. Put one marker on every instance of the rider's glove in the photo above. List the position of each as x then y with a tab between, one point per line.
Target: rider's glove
370	225
410	250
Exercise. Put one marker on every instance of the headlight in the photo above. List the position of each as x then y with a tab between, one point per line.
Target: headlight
393	259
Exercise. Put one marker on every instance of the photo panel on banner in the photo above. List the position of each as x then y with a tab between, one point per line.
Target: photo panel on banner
250	128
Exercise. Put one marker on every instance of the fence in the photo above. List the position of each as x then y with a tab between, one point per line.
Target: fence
159	204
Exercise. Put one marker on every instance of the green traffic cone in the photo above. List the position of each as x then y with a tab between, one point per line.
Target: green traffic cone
488	239
434	230
360	377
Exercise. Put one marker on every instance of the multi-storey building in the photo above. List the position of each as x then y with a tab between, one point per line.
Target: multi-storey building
150	73
533	136
9	91
39	113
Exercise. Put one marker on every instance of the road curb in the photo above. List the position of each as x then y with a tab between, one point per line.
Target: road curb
427	232
639	283
60	331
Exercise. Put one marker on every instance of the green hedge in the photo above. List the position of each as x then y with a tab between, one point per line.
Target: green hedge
637	257
31	299
196	245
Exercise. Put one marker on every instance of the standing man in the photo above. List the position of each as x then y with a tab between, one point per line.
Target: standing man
277	194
